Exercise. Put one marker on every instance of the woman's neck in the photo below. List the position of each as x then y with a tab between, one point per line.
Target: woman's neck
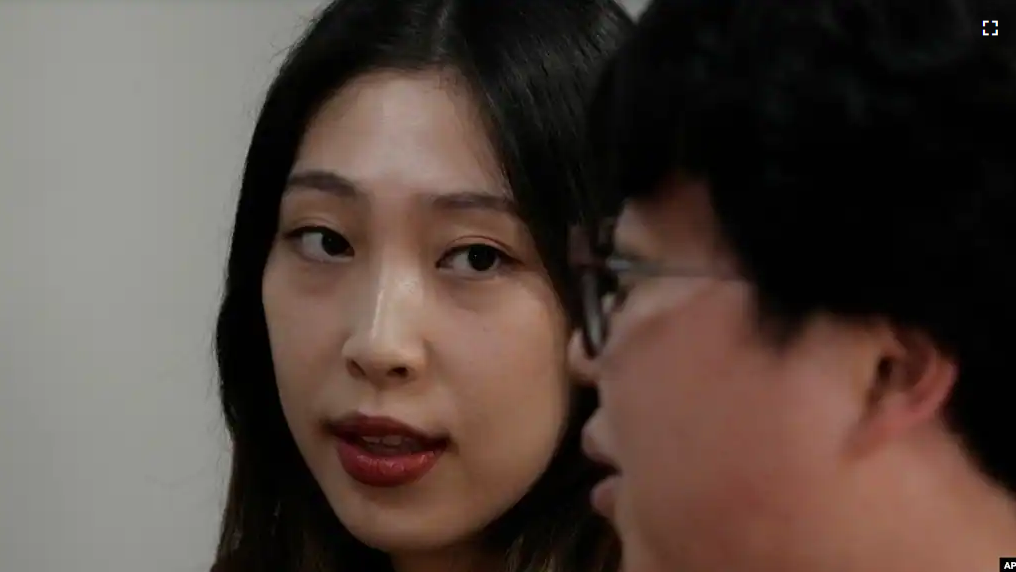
451	559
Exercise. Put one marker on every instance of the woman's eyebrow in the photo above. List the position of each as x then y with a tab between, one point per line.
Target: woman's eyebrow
321	180
336	184
473	200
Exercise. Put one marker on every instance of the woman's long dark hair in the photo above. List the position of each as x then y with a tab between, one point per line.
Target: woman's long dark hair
529	64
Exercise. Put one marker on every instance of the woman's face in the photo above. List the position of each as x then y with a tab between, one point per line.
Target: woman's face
417	340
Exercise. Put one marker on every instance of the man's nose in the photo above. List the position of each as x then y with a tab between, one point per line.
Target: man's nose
583	369
386	345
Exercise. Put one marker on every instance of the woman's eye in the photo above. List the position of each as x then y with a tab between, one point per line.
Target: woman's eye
474	259
321	244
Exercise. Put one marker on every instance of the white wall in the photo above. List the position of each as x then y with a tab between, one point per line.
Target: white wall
123	127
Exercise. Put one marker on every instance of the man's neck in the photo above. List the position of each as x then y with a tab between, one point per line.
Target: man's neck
944	517
938	545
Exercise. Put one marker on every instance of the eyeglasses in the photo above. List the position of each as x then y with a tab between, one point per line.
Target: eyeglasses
599	271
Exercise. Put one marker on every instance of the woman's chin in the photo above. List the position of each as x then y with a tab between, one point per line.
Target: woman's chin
396	541
405	530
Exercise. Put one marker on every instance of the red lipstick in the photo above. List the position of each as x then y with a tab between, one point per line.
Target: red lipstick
384	452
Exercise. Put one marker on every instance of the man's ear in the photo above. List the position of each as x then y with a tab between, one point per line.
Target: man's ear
909	385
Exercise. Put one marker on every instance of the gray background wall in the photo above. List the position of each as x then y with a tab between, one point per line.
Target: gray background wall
123	127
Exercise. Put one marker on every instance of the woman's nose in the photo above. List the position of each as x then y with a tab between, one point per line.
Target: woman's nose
387	343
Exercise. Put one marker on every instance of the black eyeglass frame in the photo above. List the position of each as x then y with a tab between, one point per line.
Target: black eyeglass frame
598	270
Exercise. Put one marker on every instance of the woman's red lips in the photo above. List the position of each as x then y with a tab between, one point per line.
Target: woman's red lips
384	452
366	425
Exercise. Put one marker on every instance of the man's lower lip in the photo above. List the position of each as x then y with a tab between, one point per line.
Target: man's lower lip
376	470
603	495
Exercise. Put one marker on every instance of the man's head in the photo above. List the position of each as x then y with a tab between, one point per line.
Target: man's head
811	286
